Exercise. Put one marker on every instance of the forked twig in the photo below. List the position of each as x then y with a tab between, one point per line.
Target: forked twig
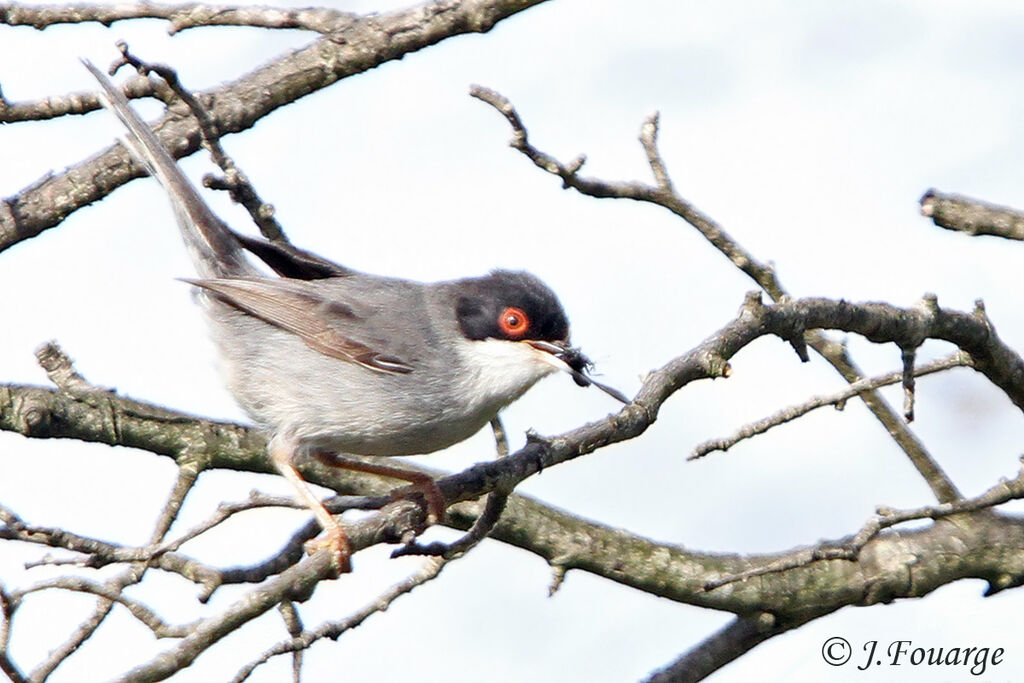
885	518
234	181
334	630
837	399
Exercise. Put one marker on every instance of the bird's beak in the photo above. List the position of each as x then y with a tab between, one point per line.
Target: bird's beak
570	359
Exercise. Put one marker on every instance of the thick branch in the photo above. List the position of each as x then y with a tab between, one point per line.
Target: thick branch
181	17
569	542
732	642
892	564
972	216
42	413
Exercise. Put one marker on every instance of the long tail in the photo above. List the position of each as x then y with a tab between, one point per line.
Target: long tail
214	249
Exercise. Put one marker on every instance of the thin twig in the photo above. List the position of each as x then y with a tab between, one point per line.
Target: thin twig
111	591
7	665
334	630
908	356
293	622
885	518
649	141
237	183
98	553
71	104
142	613
663	195
838	399
61	370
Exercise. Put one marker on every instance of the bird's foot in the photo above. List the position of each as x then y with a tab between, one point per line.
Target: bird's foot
335	540
426	492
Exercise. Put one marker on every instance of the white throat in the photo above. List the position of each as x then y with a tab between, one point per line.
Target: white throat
497	372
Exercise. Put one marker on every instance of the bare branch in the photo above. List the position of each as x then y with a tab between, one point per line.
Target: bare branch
663	195
237	106
7	665
484	524
989	546
886	518
908	356
99	553
293	622
618	557
78	637
234	181
181	17
838	399
71	104
188	475
732	642
295	583
649	141
972	216
112	593
334	630
61	370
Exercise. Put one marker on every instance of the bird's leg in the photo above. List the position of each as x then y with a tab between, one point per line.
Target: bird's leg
418	482
484	524
281	454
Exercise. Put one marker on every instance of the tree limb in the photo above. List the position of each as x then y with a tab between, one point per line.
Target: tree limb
573	543
733	641
181	17
362	45
663	194
837	399
972	216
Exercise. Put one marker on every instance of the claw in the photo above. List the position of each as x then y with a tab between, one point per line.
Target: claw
336	541
427	489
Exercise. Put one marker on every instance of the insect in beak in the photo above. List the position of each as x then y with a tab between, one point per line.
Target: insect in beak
570	359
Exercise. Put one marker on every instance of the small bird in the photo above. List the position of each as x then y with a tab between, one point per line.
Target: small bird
328	360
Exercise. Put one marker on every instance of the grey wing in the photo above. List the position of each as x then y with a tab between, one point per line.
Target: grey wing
323	320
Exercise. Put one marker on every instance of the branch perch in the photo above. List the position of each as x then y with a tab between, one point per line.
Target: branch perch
358	46
664	195
972	216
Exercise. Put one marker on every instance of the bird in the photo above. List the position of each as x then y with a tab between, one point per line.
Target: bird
328	360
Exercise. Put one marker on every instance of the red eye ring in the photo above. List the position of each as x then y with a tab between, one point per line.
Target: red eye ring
513	322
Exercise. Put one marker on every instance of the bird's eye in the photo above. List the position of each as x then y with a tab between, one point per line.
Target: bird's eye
513	322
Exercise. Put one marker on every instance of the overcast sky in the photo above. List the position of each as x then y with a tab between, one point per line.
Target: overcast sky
808	130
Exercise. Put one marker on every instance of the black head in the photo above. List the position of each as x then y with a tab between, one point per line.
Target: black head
510	305
516	306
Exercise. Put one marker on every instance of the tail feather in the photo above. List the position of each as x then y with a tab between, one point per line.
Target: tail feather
213	248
